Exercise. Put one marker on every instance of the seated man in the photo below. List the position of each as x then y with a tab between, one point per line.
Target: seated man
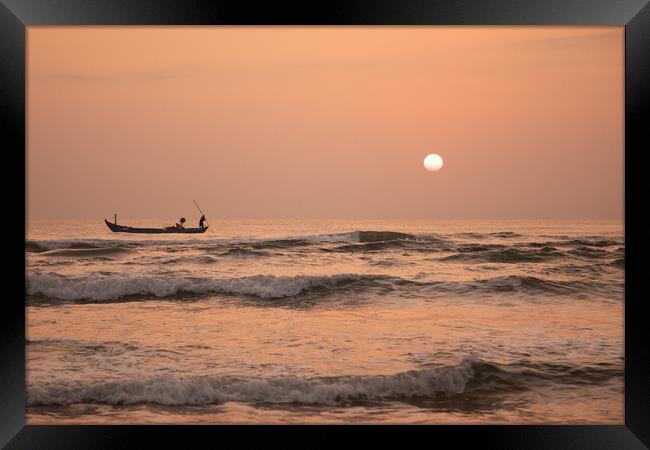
180	225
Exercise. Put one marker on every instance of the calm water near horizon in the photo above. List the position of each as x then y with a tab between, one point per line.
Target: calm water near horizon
328	321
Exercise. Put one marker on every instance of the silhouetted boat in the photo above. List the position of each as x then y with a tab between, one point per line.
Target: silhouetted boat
115	228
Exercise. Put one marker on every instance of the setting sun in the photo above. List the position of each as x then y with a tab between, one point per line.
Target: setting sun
433	162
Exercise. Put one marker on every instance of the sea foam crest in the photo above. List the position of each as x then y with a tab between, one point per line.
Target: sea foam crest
101	287
113	286
166	390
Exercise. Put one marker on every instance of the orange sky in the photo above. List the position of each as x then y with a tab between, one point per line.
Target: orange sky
325	122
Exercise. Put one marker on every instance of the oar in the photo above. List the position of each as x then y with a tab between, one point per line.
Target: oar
206	220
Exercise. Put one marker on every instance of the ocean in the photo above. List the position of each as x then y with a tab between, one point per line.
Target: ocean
328	321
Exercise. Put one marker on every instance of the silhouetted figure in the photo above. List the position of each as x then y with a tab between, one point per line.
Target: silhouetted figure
181	225
201	220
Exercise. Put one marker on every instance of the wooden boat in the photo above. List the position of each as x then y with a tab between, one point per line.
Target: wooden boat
115	228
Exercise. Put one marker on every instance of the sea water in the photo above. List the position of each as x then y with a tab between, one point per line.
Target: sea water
326	322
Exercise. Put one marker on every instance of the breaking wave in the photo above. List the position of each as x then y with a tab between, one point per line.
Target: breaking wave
118	286
104	287
208	390
436	383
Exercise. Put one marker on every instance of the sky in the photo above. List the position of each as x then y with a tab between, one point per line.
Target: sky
325	122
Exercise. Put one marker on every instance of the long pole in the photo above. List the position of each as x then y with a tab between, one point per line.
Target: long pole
206	220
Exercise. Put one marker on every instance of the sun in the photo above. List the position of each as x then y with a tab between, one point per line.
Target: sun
433	162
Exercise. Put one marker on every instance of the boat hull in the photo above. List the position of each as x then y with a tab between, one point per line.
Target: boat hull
115	228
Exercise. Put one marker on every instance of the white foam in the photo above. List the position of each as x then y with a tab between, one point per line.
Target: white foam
115	286
426	383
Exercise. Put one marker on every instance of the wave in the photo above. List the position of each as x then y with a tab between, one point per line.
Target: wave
206	259
87	348
117	286
354	237
66	244
530	284
107	286
44	246
35	247
378	236
367	247
393	241
470	235
86	252
359	240
505	234
358	236
591	242
471	248
280	244
497	234
472	375
244	252
287	241
499	254
590	253
209	390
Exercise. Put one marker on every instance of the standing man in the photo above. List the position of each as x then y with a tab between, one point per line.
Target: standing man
201	221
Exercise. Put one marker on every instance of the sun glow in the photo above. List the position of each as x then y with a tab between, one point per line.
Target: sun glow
433	162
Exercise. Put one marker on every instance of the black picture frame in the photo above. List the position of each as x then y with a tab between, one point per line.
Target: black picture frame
16	15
